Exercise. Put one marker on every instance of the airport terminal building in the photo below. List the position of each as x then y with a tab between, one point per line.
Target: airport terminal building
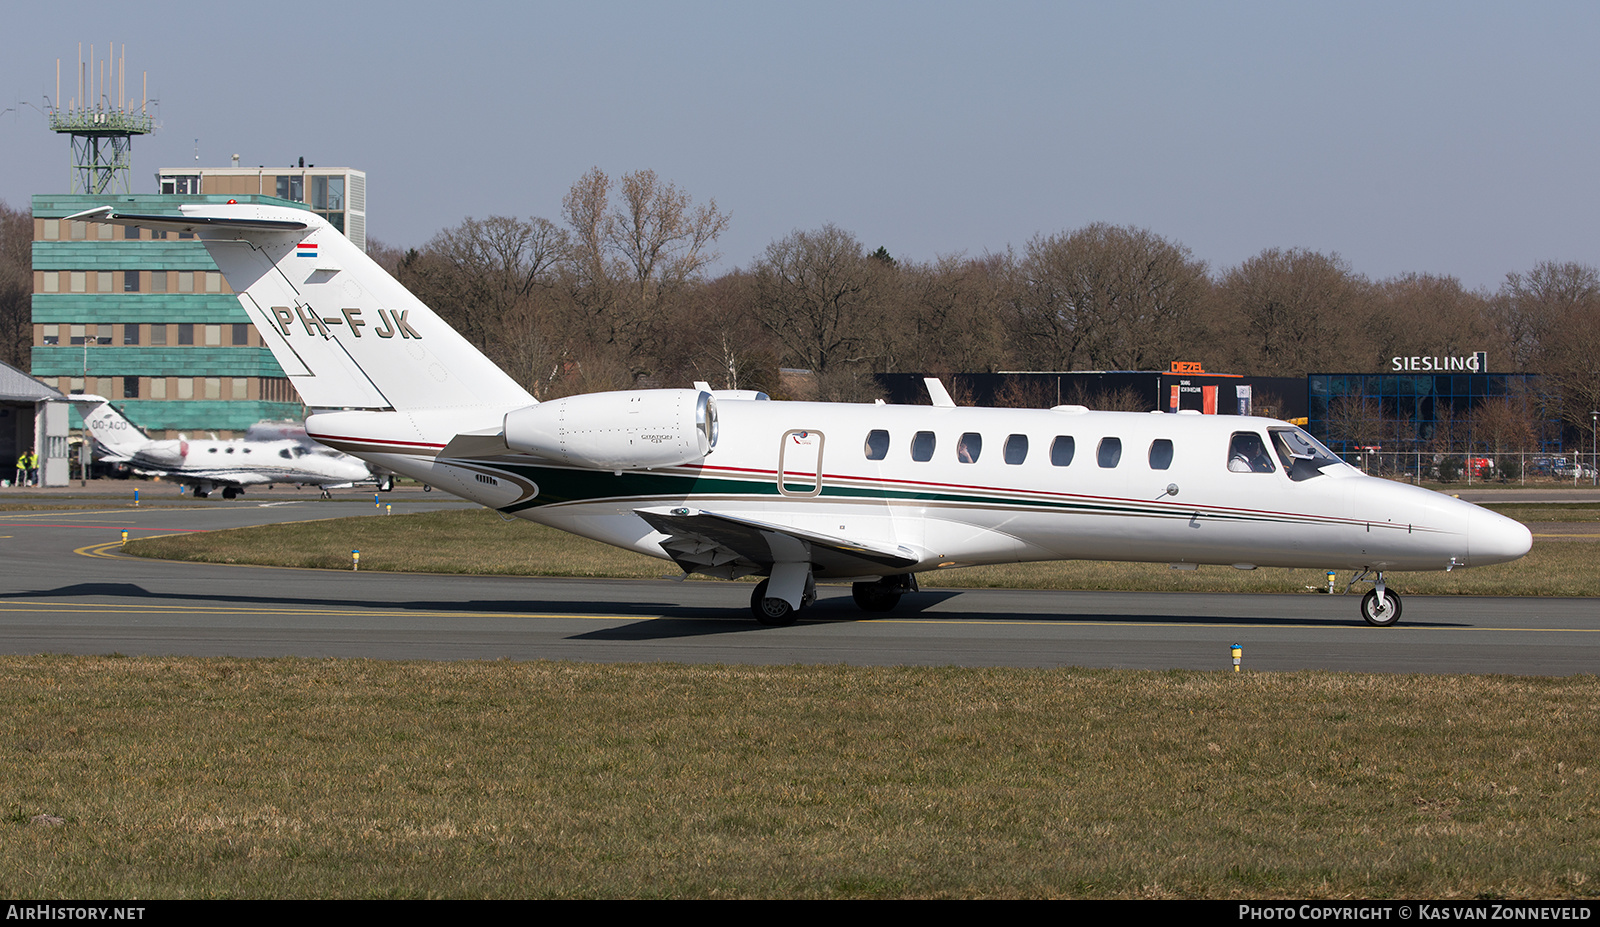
145	318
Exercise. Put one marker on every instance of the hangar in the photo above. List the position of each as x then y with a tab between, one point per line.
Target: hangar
33	416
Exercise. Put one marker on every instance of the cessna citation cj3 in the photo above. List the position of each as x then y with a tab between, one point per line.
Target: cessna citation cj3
731	484
230	465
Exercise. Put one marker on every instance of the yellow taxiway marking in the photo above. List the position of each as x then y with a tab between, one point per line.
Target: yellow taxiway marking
58	608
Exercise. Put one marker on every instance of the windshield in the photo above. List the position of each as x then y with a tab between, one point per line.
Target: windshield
1303	456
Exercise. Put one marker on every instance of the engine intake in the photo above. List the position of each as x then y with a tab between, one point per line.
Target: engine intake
627	430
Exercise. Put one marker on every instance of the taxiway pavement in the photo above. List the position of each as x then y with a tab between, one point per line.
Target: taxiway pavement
62	590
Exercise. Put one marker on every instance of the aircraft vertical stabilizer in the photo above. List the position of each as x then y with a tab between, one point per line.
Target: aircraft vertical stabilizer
346	333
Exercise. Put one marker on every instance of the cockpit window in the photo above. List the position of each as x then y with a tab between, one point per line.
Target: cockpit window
1246	454
1303	456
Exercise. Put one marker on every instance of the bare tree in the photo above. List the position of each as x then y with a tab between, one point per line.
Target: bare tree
627	258
1425	314
494	281
16	286
1288	313
814	291
1106	297
1534	309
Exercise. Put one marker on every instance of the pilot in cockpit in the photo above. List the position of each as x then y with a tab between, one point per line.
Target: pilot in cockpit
1248	455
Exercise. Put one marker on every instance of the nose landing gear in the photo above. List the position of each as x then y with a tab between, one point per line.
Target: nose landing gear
1379	607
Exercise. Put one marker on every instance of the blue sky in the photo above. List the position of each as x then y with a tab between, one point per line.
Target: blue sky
1447	138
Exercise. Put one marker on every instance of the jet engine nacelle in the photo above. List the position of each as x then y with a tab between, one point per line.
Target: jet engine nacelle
629	430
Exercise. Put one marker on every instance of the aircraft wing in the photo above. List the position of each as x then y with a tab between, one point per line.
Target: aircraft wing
730	546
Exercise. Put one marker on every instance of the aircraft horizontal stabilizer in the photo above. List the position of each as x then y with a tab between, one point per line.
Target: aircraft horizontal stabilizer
730	547
187	223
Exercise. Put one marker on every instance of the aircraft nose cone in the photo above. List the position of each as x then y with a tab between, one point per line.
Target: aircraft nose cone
1494	538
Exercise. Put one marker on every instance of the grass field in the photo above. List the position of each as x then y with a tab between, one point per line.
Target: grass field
328	778
479	541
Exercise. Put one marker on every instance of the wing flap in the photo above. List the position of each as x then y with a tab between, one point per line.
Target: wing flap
731	546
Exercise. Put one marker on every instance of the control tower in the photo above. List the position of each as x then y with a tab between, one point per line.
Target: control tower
102	127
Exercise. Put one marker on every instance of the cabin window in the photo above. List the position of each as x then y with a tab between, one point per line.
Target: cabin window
877	444
969	447
1248	454
1061	450
1160	454
1110	452
922	446
1016	449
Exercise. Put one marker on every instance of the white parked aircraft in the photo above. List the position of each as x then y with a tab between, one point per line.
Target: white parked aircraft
729	485
229	465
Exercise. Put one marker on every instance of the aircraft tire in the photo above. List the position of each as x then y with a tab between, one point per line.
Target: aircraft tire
771	612
874	597
1380	616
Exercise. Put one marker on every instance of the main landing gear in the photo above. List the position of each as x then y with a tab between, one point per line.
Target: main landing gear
776	612
880	595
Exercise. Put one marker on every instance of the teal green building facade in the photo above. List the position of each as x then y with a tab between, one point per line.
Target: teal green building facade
145	319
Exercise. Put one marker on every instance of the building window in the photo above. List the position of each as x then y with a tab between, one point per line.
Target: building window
78	281
185	281
187	184
130	281
213	282
214	335
292	188
130	387
213	387
52	334
130	333
77	334
241	334
185	387
102	281
158	388
130	232
158	281
158	334
52	230
186	333
52	282
240	388
104	334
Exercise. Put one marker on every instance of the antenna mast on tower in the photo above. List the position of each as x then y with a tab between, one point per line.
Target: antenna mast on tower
102	127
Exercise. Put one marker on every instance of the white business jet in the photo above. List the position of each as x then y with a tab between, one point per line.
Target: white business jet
736	485
229	465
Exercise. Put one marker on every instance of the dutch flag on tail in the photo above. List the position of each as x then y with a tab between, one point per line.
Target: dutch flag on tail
306	249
